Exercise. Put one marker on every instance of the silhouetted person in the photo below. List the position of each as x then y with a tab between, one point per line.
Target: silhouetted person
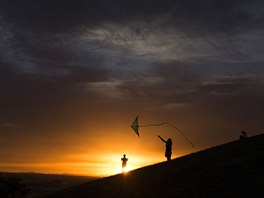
168	147
124	162
243	136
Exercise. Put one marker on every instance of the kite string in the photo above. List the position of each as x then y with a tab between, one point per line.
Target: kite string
163	123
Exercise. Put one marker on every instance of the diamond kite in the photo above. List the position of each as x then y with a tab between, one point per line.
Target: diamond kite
135	126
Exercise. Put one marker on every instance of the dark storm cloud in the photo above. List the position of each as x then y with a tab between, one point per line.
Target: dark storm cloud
65	43
67	31
201	16
184	84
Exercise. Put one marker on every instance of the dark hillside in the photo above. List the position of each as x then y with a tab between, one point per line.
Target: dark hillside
231	170
37	184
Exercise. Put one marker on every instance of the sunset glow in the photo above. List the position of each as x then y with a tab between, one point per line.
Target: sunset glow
101	168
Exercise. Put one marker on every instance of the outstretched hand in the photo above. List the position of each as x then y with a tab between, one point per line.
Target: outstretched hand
162	139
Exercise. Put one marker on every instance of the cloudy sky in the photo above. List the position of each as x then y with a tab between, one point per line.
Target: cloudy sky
74	75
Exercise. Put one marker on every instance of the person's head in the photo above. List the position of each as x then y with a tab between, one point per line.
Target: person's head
243	132
169	140
124	155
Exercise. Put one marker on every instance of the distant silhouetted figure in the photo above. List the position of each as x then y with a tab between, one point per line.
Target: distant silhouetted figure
243	136
124	162
168	148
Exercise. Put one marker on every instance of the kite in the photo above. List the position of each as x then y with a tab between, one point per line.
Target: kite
135	126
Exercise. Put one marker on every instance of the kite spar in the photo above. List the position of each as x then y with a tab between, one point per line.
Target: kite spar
135	126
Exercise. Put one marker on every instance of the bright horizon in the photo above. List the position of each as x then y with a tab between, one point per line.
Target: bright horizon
101	155
99	169
90	162
109	162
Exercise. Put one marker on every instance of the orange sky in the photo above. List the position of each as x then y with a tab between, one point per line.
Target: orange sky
94	155
84	153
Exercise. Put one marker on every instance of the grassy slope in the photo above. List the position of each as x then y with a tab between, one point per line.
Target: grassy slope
233	170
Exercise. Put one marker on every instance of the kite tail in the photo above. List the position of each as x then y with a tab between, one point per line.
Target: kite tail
171	126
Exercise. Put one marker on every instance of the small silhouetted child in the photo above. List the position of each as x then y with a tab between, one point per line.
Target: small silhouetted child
243	136
168	151
124	162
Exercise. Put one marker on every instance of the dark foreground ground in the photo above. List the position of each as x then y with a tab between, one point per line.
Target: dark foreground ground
35	184
231	170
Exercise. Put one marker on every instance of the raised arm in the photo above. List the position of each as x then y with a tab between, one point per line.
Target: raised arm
162	139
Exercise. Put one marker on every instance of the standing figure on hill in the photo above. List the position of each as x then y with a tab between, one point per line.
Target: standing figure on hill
168	147
243	136
124	162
